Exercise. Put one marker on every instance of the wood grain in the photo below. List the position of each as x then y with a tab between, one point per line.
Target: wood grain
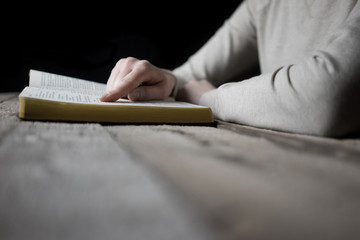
72	181
251	187
89	181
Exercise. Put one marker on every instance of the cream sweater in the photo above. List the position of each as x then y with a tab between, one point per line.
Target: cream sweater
309	55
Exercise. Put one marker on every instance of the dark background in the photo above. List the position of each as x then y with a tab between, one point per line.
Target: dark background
86	41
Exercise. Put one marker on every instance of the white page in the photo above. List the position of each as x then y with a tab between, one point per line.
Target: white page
76	97
55	81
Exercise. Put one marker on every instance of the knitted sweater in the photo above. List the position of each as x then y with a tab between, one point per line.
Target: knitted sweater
309	56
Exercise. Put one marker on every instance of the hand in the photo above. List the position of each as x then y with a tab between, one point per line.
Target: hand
138	80
193	90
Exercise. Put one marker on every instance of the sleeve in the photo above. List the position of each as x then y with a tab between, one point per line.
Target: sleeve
230	52
318	96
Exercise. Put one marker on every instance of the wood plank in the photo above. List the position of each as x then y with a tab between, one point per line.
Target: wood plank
244	182
72	181
315	144
250	187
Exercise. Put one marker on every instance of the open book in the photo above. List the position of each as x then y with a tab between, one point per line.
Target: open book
61	98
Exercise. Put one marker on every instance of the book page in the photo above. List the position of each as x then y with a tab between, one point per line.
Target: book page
76	97
55	81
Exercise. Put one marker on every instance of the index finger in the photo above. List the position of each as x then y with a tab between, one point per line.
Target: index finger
123	67
122	86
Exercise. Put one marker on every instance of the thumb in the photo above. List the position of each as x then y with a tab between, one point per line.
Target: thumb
145	93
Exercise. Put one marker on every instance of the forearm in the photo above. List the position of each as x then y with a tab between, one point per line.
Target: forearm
314	97
230	52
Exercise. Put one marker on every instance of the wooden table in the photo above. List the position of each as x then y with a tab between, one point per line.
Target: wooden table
89	181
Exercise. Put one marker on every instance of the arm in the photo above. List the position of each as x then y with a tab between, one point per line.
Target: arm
231	52
319	95
139	80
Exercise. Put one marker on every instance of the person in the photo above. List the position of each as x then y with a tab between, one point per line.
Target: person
308	52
